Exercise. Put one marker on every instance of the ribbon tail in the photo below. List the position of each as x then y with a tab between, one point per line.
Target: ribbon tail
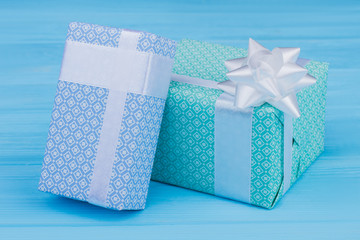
247	96
228	87
290	55
288	105
305	81
255	47
233	64
289	77
241	75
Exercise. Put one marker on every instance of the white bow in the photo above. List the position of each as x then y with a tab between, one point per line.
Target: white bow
267	76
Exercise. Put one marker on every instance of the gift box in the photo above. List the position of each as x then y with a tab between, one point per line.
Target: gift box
208	145
106	117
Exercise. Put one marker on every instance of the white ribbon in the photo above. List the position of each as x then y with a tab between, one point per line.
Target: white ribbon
122	69
267	76
233	138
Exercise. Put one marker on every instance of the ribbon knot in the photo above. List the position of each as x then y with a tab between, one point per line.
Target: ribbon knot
267	76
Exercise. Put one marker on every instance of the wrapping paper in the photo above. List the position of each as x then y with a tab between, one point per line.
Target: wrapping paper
185	152
106	117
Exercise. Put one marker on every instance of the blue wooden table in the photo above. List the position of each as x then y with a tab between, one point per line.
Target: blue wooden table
324	204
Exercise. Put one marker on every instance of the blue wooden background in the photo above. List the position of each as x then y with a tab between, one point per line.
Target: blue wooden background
324	204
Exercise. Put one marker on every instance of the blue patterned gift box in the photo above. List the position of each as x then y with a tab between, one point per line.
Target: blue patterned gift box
186	150
105	121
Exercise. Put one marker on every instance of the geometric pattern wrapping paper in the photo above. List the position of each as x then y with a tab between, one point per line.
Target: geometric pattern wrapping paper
185	152
77	121
135	152
76	118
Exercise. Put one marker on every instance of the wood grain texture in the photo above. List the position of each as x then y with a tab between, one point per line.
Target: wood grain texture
324	204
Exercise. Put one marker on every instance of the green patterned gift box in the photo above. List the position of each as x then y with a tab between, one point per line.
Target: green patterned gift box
186	148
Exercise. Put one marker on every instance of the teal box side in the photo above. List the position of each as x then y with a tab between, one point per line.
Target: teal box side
185	152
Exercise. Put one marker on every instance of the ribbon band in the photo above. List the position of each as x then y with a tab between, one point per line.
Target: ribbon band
120	69
233	130
105	155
